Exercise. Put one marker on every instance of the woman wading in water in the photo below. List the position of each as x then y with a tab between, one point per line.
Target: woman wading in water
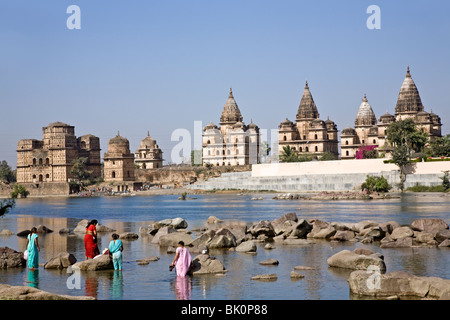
90	240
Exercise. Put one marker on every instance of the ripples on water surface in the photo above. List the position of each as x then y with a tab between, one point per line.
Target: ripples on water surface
154	281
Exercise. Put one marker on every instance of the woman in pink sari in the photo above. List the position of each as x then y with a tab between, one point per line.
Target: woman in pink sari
182	260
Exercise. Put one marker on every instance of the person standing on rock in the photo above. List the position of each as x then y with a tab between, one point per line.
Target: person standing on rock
33	249
116	248
90	240
182	260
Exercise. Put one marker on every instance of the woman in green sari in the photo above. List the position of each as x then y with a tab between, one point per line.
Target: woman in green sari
116	248
33	249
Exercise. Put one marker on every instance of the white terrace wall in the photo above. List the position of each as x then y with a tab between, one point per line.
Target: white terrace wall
339	175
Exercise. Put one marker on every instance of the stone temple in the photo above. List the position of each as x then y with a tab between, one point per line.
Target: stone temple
309	134
149	155
50	160
369	132
119	163
233	143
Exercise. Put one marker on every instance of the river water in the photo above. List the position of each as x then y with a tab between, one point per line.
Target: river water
154	281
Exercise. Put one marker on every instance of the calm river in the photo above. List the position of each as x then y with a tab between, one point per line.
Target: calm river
154	281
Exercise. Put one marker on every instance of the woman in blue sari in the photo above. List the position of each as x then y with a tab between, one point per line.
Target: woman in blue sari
116	248
33	249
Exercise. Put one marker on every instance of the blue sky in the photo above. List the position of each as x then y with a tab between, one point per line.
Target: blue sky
138	66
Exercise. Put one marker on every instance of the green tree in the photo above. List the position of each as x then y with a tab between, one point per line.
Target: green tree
81	177
6	205
19	190
439	147
6	173
405	139
326	156
376	184
288	155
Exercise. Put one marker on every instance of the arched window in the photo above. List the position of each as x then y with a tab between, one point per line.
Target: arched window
284	138
307	149
47	161
34	161
300	149
41	178
113	174
346	153
40	161
208	142
47	177
346	142
374	141
316	148
315	136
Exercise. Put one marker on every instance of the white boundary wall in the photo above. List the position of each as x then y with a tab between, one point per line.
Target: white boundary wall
366	166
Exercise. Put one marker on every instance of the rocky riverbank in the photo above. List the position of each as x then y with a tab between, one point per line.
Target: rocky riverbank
288	230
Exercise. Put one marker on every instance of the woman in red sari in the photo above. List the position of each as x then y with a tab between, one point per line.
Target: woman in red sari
90	240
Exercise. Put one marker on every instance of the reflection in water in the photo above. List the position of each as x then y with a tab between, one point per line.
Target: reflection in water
91	288
183	288
33	278
117	285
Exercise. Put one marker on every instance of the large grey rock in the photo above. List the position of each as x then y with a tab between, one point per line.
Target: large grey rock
344	235
103	262
357	260
10	258
246	246
222	238
205	264
8	292
60	261
402	232
358	227
431	225
300	229
406	242
162	232
172	239
322	233
398	283
128	236
442	235
263	227
176	223
81	227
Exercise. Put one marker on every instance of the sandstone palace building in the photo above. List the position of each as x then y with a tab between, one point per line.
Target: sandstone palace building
309	134
50	159
368	131
149	155
233	143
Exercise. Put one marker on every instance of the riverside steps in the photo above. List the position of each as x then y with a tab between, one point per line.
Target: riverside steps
339	175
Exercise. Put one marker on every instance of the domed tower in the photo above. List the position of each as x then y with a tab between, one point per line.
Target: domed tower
233	143
118	161
349	143
409	102
365	119
230	114
149	155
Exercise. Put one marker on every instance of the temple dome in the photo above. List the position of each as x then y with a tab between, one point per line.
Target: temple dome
365	115
348	131
307	108
118	145
408	98
231	112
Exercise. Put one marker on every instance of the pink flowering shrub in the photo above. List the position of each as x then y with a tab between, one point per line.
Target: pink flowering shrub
366	152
